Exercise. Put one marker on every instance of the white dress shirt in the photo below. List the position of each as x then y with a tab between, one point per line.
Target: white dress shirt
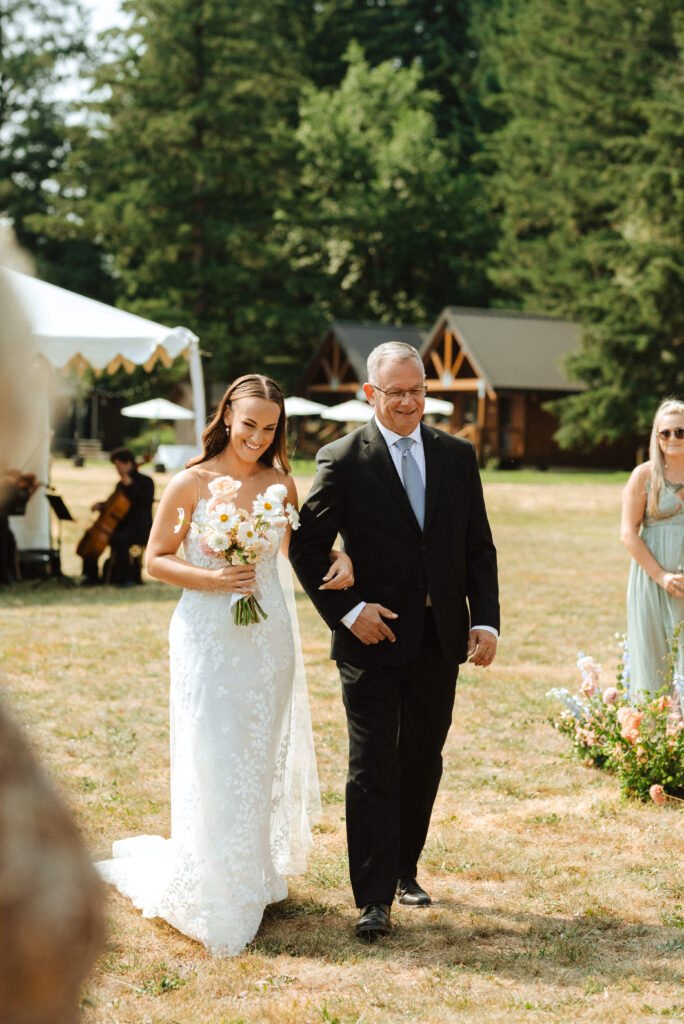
418	452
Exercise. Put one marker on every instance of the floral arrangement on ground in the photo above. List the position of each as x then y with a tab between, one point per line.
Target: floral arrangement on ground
640	741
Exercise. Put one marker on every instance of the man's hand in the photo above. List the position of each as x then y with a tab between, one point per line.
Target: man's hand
370	627
481	647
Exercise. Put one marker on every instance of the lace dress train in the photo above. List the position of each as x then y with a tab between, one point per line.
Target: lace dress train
243	777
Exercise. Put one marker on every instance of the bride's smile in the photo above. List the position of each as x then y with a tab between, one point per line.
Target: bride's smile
251	423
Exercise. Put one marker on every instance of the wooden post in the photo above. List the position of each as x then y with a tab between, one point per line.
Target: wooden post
481	418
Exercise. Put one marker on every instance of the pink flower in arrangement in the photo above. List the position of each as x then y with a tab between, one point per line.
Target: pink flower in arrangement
611	695
225	488
589	687
587	737
630	722
662	704
658	794
672	730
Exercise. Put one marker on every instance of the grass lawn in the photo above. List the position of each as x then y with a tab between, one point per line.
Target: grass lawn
555	900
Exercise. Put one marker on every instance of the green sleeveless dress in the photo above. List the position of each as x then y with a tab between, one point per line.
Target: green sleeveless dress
652	613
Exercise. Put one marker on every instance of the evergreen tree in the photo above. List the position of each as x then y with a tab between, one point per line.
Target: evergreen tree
193	147
439	35
574	84
571	77
41	44
385	225
633	353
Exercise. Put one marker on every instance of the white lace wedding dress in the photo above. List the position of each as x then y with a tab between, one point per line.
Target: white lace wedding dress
244	787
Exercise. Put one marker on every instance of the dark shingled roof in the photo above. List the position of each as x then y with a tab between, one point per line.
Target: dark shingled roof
359	340
514	350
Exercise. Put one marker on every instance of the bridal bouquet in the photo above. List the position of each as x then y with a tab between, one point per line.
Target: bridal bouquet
241	538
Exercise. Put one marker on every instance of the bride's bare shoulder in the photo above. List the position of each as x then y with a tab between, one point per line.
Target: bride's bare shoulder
184	486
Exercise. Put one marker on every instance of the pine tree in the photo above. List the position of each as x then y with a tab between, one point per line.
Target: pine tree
192	150
41	44
633	353
574	84
439	35
571	77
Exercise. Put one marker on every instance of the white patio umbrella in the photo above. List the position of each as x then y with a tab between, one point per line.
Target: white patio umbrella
158	409
438	407
349	412
161	409
360	412
296	406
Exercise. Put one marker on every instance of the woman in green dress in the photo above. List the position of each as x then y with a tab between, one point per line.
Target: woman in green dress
653	532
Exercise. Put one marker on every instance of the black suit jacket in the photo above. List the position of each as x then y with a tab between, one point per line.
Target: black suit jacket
137	522
357	494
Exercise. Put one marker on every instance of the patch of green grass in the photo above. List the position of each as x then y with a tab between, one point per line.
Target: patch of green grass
162	981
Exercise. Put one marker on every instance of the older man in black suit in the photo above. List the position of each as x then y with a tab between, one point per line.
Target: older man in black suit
407	501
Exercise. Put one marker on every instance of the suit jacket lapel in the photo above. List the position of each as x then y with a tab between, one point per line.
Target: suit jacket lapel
433	472
377	452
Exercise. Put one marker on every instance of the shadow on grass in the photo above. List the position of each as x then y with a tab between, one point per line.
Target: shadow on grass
50	592
485	940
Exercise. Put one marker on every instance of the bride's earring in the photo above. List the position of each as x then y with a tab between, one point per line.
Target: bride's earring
227	432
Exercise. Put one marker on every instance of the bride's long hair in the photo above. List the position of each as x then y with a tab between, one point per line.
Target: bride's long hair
252	385
656	456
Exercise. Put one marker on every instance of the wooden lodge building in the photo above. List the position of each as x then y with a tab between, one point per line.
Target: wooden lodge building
497	367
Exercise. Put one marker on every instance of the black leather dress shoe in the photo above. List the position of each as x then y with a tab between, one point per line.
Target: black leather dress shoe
374	922
410	894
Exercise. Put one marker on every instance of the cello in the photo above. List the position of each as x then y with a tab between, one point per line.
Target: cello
97	537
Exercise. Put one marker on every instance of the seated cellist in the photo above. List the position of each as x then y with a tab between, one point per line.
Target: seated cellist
133	528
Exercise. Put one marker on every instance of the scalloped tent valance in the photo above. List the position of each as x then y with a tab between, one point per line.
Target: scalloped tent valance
72	330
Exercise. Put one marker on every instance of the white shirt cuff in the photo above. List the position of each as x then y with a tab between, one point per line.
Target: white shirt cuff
490	629
350	618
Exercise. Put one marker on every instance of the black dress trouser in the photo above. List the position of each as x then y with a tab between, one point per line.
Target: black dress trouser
398	718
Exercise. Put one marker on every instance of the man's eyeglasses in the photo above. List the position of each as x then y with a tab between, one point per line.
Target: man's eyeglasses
677	432
393	393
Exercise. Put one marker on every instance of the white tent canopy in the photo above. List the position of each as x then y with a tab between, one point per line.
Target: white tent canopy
71	330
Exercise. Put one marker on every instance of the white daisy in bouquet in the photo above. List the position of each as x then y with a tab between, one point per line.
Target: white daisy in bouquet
242	538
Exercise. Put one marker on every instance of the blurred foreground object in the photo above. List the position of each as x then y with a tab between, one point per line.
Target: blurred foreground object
50	898
51	922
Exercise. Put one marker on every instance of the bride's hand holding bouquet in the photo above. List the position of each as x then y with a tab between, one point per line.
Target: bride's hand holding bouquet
242	539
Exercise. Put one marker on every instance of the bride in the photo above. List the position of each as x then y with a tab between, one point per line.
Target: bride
243	774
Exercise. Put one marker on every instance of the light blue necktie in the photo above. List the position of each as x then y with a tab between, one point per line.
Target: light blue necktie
413	482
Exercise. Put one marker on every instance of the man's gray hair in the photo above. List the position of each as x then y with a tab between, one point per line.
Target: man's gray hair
397	350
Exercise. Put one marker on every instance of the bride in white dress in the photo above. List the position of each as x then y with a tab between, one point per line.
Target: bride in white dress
244	787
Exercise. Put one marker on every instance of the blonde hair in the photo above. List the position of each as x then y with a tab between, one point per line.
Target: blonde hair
656	456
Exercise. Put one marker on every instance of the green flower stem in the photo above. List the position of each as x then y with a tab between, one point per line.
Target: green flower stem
248	610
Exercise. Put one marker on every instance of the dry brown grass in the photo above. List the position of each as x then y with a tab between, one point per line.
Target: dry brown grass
555	900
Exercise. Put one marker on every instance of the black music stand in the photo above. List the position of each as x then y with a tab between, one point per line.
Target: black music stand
54	555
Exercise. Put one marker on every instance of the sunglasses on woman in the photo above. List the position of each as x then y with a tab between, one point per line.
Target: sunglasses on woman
677	432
